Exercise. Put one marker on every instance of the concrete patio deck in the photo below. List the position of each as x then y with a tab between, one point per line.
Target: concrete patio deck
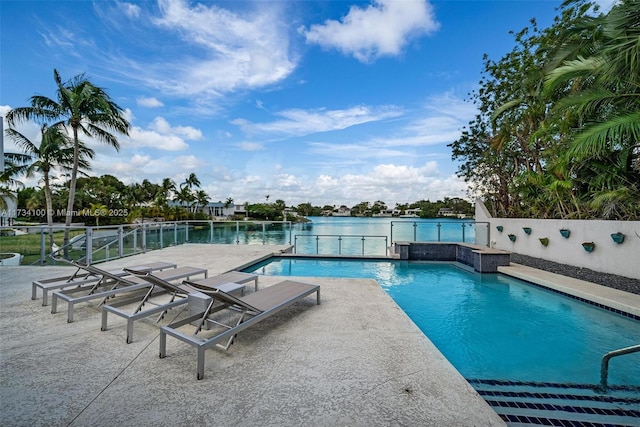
354	360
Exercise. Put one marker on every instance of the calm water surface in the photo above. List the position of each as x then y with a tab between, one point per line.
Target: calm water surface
493	326
336	235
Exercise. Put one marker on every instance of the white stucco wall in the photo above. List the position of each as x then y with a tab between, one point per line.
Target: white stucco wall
607	257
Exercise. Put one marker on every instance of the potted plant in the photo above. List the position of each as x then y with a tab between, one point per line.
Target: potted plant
565	232
512	237
500	228
544	241
617	237
588	246
527	230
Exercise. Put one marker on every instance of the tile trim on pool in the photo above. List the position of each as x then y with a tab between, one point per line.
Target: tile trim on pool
615	300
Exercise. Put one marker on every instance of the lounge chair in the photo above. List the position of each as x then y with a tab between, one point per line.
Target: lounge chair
228	277
134	308
252	308
117	285
81	277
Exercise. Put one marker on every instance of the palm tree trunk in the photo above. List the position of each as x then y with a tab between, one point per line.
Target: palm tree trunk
49	203
72	190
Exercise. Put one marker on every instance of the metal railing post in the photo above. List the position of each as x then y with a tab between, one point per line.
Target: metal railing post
175	234
210	231
42	245
135	239
263	232
363	245
237	232
439	226
463	232
120	242
144	238
88	245
339	245
415	231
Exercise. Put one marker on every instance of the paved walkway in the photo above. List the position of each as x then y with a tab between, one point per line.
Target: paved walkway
354	360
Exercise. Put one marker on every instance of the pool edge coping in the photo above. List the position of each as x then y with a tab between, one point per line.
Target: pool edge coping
611	299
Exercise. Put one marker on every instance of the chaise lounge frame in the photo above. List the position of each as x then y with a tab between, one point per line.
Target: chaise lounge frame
119	285
254	308
227	282
82	277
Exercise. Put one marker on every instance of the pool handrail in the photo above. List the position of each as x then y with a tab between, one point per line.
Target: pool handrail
604	366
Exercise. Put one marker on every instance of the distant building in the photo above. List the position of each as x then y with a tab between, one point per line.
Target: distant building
290	211
446	212
388	213
411	213
342	211
216	210
220	210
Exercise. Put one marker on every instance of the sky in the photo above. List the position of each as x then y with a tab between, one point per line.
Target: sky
326	102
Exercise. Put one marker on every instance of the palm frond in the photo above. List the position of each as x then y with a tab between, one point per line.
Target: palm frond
598	139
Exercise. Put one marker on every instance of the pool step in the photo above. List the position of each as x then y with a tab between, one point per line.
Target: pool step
522	404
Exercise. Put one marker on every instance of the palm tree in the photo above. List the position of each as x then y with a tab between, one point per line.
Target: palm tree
13	164
98	210
184	196
603	74
85	108
167	189
55	150
202	198
191	181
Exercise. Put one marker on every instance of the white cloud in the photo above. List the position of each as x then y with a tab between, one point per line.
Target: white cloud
144	166
250	146
230	51
149	102
391	183
359	151
438	123
160	124
161	135
188	162
298	122
139	137
130	9
287	181
384	28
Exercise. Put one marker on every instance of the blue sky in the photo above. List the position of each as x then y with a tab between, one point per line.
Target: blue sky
333	102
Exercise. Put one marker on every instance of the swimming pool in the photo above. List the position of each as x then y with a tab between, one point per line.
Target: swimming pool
490	325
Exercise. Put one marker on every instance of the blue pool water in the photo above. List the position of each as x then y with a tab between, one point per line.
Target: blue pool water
493	326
